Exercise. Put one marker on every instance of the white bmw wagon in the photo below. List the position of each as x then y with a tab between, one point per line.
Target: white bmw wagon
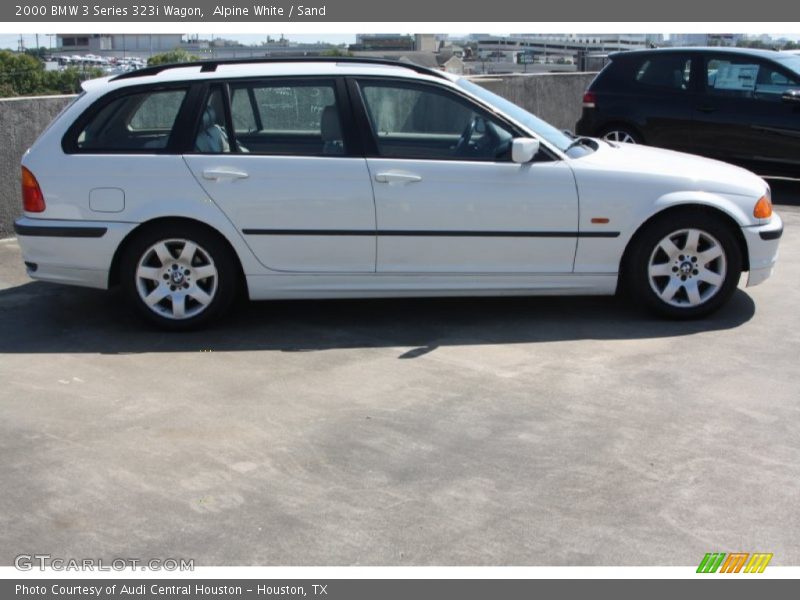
187	184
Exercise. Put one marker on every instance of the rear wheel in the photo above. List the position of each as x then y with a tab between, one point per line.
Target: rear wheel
684	266
622	134
179	276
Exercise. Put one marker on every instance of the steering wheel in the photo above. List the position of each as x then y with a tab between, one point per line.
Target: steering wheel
463	142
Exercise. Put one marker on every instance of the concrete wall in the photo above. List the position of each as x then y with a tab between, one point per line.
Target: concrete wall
555	97
21	122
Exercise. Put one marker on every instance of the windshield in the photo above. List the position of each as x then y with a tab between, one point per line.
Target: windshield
541	128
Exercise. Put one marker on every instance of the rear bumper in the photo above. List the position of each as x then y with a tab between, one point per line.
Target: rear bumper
762	247
70	252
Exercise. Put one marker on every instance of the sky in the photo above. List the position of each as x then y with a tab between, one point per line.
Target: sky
8	40
12	40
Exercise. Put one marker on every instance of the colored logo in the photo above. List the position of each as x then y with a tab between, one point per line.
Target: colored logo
735	562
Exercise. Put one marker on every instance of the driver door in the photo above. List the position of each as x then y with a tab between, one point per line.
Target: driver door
448	198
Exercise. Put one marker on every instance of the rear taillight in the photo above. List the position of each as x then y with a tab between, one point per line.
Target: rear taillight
32	197
589	99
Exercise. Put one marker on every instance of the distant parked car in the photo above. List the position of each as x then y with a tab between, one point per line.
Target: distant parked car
336	178
735	104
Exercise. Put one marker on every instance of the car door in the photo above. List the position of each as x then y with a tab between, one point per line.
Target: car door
448	198
279	159
743	115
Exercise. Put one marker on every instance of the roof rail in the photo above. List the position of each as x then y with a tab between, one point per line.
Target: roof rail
207	66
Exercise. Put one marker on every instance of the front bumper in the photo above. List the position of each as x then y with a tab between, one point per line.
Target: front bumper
762	248
70	252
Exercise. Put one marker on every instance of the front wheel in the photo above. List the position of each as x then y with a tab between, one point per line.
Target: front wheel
178	276
685	266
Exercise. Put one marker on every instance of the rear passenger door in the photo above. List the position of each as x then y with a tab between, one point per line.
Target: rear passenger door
279	158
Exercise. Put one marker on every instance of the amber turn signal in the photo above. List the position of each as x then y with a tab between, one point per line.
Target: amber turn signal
763	208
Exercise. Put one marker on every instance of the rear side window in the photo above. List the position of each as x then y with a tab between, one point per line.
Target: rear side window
666	71
298	118
137	122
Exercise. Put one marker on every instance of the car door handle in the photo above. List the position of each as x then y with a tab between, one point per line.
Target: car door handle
221	173
391	177
707	109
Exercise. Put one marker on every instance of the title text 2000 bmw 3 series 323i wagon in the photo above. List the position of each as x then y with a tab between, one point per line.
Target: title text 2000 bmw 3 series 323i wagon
349	178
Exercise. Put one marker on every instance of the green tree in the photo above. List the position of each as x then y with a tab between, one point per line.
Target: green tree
20	73
69	80
335	52
39	52
24	75
178	55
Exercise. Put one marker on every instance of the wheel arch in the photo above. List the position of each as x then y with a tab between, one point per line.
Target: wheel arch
114	274
686	208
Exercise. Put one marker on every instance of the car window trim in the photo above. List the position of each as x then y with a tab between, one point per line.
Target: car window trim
251	96
188	119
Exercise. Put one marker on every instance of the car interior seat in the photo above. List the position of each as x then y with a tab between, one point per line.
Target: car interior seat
331	130
212	138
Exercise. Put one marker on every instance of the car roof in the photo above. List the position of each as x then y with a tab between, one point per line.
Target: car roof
755	52
225	69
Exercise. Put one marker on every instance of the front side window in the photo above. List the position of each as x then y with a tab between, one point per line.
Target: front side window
423	122
287	118
667	71
747	78
541	128
136	122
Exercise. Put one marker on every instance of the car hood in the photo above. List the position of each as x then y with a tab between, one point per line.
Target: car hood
673	170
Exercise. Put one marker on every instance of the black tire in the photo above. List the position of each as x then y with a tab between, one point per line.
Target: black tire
618	132
646	252
204	298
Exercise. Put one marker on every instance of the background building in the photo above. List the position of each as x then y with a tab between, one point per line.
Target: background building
705	39
107	42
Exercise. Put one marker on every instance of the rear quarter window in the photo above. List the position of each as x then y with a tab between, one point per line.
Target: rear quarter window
136	122
614	76
638	73
665	71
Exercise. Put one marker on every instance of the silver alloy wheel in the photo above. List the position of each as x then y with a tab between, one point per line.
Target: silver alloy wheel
687	268
619	136
176	279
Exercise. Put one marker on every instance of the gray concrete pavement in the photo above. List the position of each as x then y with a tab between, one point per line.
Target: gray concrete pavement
545	431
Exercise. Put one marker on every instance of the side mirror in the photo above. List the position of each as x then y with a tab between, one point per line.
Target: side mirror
524	149
791	96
